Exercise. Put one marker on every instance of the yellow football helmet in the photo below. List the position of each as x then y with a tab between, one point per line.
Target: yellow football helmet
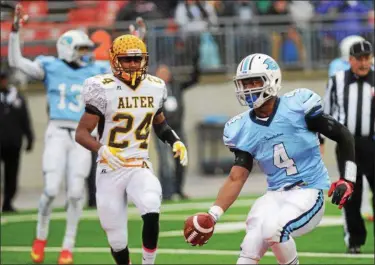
128	45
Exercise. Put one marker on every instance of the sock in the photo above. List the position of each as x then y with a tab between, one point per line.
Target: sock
121	257
74	211
148	255
44	213
286	252
150	235
243	260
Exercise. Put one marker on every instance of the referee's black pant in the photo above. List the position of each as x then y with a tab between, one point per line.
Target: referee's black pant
355	230
9	158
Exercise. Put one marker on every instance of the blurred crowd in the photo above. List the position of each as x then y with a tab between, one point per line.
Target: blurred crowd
278	28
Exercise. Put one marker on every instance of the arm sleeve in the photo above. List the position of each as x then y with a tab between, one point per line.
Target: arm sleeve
335	131
94	97
31	68
243	159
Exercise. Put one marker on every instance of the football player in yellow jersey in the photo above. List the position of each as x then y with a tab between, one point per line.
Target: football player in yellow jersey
124	105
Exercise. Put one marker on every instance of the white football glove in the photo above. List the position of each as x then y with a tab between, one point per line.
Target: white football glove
109	156
141	31
180	151
20	17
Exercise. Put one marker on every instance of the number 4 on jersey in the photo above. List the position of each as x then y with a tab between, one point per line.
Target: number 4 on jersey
281	159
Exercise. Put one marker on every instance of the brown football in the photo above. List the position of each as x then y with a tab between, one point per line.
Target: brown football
199	228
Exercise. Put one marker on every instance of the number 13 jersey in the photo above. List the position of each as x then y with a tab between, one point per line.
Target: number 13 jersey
126	114
286	151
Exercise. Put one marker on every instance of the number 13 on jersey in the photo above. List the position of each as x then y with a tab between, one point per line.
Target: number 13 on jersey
282	160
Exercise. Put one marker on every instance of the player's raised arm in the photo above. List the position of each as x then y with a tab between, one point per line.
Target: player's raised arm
15	58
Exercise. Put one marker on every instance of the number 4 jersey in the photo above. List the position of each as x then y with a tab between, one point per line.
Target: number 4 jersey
64	86
286	151
126	114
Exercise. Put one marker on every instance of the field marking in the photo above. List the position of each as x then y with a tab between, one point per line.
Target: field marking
233	227
187	251
92	214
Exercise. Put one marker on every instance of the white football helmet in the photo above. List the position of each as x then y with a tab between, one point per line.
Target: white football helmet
345	45
257	65
68	44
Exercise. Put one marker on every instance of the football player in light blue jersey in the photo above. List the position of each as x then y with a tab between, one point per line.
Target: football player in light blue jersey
280	133
342	63
62	157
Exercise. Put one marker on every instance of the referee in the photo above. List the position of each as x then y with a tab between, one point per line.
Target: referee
350	99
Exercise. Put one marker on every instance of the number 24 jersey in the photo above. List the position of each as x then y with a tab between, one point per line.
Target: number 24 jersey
126	113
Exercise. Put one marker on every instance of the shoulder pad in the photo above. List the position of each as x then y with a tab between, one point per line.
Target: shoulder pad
336	66
93	93
104	80
43	60
155	80
105	66
303	99
232	129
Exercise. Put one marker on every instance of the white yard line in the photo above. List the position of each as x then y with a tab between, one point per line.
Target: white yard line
92	214
188	251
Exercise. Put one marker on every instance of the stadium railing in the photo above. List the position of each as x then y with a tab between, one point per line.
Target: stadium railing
221	48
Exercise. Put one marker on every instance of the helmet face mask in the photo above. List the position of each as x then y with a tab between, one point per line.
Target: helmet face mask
256	68
253	97
127	52
75	46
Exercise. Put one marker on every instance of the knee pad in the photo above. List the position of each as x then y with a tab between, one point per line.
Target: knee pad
117	239
150	232
253	246
271	231
151	203
52	184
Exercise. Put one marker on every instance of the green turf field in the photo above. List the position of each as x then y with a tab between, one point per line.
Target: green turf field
322	246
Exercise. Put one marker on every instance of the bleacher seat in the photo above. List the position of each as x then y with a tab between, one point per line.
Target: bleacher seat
35	8
6	27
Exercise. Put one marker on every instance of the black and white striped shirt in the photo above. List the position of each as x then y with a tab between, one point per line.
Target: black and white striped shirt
351	101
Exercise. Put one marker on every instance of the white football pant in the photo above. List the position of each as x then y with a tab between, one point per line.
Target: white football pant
277	215
113	190
64	157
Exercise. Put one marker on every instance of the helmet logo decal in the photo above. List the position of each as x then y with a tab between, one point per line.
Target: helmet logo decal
271	64
67	40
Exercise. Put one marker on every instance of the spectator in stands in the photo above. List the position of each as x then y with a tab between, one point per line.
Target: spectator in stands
288	44
139	8
195	16
196	20
172	177
14	125
350	20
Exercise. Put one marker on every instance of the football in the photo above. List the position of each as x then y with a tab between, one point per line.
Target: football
199	228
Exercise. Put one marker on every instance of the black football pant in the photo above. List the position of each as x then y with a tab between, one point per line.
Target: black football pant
91	186
355	230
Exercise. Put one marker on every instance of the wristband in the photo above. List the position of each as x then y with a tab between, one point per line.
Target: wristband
350	171
216	211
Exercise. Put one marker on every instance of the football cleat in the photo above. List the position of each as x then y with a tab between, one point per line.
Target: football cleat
37	252
66	257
